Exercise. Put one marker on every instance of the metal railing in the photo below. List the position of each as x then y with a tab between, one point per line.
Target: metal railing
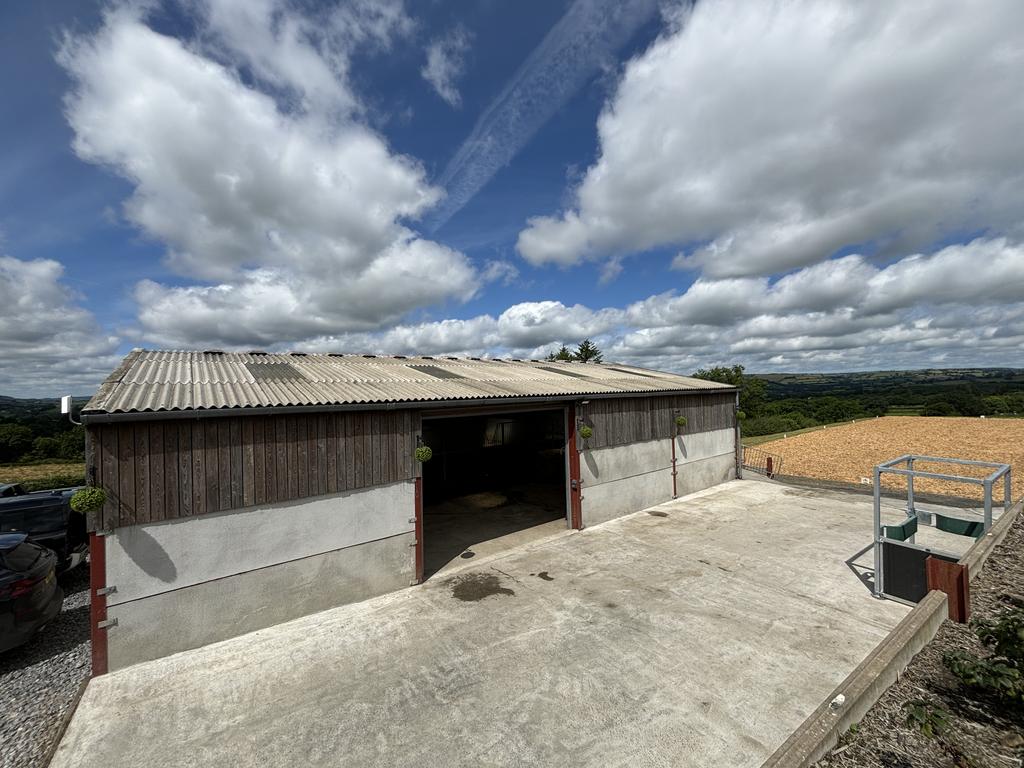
902	535
761	461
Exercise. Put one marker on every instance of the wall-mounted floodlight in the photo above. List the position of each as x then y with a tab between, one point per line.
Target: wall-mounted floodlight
65	408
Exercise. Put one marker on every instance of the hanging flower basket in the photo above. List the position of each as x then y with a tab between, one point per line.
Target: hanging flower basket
680	421
423	453
88	500
586	432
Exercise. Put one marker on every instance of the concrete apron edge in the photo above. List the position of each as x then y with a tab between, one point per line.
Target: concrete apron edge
820	732
65	721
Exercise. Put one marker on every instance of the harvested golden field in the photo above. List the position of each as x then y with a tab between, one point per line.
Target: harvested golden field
850	452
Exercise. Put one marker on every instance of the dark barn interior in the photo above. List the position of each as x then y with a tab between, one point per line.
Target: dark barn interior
494	481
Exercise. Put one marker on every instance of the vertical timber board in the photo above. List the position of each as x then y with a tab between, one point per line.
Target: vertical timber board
395	454
199	505
332	452
387	449
376	433
211	466
142	511
185	468
93	476
408	443
248	461
322	464
281	448
348	452
270	446
172	481
318	451
260	462
109	469
223	438
126	475
236	462
302	459
156	472
367	468
357	450
291	490
415	428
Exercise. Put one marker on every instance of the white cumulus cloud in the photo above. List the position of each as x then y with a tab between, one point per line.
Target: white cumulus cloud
291	217
49	343
762	137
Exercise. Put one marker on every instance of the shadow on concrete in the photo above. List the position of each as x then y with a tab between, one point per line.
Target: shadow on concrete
146	552
864	573
680	447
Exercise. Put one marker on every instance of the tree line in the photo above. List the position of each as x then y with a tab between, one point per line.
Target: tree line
35	430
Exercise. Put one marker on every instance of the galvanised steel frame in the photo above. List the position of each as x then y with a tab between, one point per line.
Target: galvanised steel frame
904	466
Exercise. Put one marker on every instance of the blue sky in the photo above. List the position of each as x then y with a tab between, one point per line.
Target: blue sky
688	185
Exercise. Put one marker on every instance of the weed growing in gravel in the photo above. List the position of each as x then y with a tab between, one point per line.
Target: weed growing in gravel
999	674
923	717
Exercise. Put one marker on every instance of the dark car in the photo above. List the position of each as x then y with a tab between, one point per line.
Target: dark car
47	518
29	594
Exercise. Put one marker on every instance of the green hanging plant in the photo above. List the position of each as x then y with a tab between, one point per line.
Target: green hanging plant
423	453
586	432
741	415
680	421
88	500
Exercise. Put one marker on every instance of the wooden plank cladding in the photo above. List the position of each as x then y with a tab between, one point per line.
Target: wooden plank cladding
164	470
620	421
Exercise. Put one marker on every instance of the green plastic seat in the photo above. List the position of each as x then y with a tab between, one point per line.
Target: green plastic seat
903	531
972	528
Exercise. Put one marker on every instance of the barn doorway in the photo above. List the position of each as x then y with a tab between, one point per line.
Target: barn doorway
495	481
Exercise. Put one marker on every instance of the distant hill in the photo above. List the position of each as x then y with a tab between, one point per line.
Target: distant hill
919	383
21	409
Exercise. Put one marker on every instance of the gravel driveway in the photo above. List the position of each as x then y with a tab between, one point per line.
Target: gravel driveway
39	680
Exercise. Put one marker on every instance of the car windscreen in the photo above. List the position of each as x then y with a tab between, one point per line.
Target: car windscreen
21	558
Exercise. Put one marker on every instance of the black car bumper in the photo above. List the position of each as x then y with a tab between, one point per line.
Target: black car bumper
16	629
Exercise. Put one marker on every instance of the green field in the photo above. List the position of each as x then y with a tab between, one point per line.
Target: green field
904	410
42	476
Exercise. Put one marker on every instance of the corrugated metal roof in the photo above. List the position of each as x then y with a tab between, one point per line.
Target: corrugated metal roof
153	381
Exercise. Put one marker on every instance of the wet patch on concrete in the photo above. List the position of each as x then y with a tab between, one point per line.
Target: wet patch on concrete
657	513
474	587
546	576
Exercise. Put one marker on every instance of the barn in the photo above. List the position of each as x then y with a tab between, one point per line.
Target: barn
248	489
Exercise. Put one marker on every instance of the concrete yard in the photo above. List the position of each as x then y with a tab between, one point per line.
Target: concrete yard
698	633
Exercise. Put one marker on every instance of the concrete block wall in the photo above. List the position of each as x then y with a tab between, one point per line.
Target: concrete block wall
188	582
624	479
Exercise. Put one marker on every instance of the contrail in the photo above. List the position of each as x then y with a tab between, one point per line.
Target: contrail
584	39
